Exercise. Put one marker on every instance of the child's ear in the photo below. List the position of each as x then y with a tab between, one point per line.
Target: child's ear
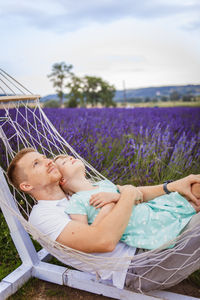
62	181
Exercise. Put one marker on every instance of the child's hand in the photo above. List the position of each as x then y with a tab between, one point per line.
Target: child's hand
100	199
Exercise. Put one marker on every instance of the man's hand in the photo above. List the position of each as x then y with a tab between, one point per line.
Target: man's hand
184	187
100	199
137	193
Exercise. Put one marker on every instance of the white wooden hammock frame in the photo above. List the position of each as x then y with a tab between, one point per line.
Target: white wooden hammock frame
35	264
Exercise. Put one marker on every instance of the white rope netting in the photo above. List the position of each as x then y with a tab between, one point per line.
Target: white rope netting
24	124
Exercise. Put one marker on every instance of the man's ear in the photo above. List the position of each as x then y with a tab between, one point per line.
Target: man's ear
25	187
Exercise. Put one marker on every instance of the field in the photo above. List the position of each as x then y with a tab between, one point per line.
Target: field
142	146
163	104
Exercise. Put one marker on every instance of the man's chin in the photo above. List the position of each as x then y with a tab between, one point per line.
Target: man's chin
55	177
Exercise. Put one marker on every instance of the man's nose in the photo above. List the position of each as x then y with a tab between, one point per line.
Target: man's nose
49	162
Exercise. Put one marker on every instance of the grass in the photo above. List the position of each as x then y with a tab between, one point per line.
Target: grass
161	104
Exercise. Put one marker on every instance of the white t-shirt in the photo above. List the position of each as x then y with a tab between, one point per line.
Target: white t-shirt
48	216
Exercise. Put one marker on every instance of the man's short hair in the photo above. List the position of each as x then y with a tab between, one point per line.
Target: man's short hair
13	170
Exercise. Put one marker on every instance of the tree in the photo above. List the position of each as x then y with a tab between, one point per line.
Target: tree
164	98
60	72
175	96
187	98
51	103
147	99
107	93
76	91
96	90
72	102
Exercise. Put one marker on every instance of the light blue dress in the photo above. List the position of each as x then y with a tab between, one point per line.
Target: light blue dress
151	224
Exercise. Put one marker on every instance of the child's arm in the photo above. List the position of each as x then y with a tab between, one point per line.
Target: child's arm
103	212
100	199
79	218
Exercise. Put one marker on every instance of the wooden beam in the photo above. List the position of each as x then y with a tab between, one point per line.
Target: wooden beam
12	283
19	97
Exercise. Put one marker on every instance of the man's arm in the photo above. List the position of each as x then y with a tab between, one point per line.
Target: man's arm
105	210
182	186
79	218
151	192
102	213
105	235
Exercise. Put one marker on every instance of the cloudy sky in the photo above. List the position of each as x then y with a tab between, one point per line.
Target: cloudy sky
145	43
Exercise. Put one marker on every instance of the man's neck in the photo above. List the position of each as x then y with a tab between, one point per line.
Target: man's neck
50	193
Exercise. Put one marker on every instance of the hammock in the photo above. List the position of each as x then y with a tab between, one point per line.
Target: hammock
24	124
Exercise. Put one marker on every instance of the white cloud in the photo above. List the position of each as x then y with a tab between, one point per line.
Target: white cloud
144	43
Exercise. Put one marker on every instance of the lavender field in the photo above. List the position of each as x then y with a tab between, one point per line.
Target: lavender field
141	145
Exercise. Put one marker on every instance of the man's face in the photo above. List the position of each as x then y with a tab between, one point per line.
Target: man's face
39	171
69	167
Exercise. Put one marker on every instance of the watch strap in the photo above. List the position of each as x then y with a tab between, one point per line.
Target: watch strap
165	186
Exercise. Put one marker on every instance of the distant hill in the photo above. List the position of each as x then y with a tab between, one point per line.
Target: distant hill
49	97
151	92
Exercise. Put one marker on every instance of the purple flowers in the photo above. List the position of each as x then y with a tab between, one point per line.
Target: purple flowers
139	146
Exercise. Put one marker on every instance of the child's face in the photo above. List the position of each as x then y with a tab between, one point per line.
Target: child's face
69	166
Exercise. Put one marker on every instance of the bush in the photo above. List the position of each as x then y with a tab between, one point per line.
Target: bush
72	102
51	103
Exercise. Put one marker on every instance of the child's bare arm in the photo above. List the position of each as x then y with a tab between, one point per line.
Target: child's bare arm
100	199
103	212
79	218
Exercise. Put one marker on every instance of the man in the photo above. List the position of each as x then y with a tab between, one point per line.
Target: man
38	176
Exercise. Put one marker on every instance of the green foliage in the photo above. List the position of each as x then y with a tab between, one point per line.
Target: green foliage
76	92
96	90
90	90
26	290
195	278
187	98
174	96
164	98
60	73
87	90
9	258
51	103
73	102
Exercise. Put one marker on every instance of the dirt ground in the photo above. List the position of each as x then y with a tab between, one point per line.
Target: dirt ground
40	290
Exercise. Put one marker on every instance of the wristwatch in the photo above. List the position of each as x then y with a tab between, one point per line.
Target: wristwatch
165	186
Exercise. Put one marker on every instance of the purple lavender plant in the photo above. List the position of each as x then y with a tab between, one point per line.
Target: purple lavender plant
139	146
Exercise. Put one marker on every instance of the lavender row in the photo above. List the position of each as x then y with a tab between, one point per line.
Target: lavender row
140	146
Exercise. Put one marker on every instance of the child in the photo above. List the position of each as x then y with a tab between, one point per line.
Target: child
151	224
